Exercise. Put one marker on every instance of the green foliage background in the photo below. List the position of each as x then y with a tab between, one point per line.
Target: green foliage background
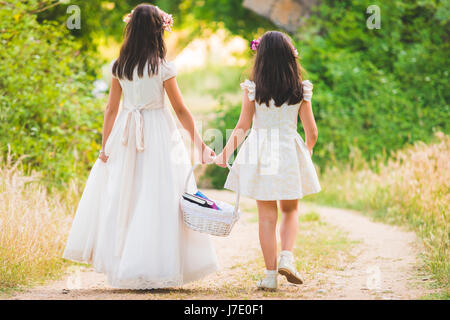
379	89
47	111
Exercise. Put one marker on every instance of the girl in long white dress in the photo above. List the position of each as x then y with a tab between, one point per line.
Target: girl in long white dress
128	223
274	163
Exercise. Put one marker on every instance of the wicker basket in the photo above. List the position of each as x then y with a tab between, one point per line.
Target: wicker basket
207	220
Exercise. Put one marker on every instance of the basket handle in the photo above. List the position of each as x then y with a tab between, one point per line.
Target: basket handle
238	194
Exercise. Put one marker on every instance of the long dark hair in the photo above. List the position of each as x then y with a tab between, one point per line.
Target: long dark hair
143	44
276	71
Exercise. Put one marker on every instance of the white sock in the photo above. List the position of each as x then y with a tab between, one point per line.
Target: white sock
271	273
287	253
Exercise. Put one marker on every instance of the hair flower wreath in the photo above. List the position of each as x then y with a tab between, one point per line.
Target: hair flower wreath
167	19
254	45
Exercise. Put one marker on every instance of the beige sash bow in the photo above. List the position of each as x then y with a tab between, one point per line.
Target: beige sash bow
139	128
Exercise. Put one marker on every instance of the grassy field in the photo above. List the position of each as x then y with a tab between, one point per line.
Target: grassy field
34	225
411	189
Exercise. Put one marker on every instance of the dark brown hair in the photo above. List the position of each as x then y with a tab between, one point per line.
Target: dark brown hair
276	71
143	44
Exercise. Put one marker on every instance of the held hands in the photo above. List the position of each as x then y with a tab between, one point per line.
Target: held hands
221	161
208	155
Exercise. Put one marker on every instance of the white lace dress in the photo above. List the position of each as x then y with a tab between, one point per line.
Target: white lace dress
128	223
273	163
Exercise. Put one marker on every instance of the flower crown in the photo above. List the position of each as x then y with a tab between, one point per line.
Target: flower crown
167	19
254	45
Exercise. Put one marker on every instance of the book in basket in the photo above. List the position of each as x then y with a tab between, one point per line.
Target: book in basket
200	215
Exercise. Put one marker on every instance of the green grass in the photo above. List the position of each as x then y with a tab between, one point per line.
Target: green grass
437	296
309	217
319	245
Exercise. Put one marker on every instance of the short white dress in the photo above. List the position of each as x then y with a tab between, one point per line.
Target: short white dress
273	163
129	223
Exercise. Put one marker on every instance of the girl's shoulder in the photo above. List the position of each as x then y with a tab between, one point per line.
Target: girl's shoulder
168	70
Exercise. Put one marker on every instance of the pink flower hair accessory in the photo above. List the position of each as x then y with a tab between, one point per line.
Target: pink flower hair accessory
255	44
167	20
128	16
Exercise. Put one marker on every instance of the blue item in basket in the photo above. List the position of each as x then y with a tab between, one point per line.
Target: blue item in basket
201	195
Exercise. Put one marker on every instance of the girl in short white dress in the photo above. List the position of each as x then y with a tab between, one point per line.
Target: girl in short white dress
274	163
128	223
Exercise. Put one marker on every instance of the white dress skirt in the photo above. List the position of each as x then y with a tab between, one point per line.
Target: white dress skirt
128	224
274	163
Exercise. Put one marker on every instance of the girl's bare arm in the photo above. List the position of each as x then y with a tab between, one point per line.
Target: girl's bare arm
240	131
111	110
309	124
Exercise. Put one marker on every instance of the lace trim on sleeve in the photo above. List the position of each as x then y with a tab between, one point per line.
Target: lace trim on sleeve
307	90
251	87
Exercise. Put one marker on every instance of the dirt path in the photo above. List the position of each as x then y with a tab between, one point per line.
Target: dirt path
386	264
382	264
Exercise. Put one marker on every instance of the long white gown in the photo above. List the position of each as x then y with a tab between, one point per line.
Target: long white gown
128	223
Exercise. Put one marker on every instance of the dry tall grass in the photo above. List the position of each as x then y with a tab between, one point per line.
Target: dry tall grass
33	227
412	187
